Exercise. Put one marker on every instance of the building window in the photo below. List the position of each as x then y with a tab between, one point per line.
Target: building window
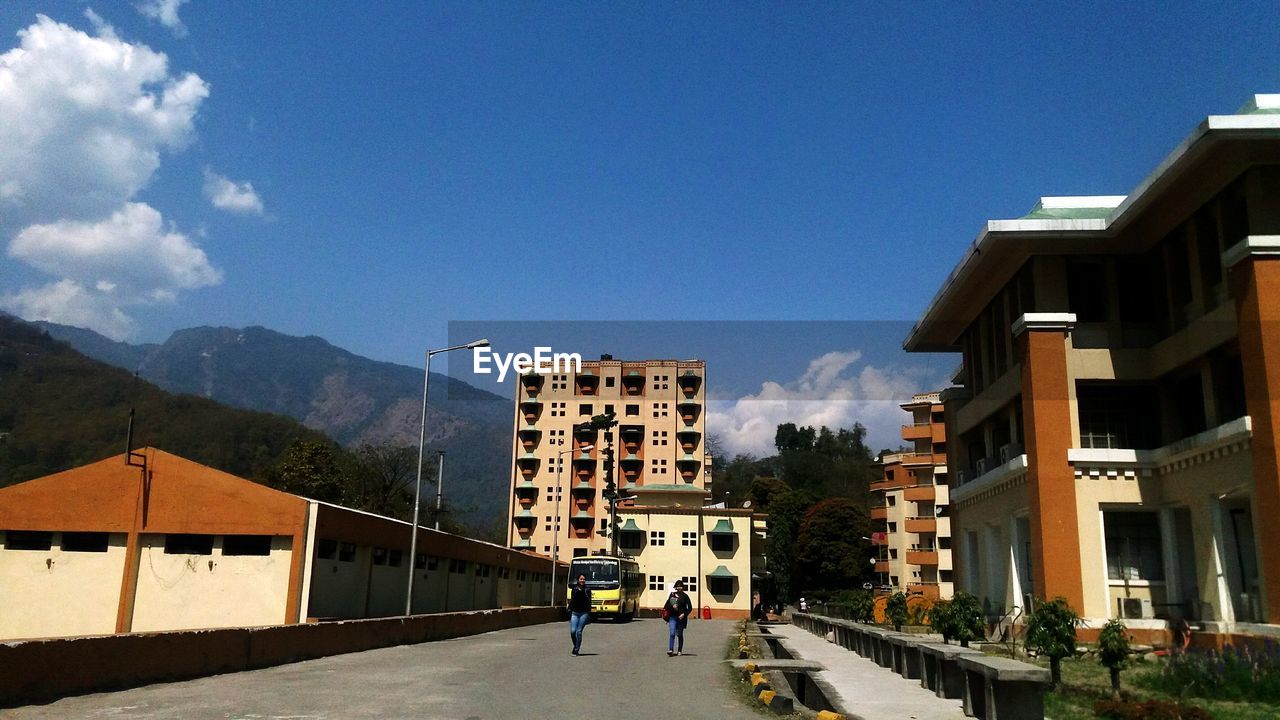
584	408
326	549
28	540
433	563
419	562
633	410
631	540
379	556
721	543
608	409
1133	546
458	567
85	541
720	585
660	410
689	539
608	382
690	584
395	557
346	552
579	552
246	545
657	537
657	582
188	544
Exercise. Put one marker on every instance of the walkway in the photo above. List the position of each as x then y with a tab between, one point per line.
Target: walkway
865	689
520	673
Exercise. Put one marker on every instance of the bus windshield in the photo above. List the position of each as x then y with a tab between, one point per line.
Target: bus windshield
600	573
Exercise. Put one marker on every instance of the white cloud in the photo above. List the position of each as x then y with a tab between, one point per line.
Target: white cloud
85	121
131	251
67	302
234	197
164	12
834	391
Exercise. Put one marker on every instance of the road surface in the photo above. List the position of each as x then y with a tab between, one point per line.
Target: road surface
528	672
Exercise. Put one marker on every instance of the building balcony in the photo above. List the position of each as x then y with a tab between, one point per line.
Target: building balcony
919	431
880	512
922	557
922	493
581	488
633	384
689	383
929	590
586	383
882	566
921	525
922	459
532	383
527	490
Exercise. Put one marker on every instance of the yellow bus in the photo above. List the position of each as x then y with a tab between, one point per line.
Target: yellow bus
616	584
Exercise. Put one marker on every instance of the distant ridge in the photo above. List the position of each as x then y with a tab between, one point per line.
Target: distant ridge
350	398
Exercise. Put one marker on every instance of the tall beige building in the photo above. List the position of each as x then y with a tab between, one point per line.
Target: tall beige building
658	448
909	507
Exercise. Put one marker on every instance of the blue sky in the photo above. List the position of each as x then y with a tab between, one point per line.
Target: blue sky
383	170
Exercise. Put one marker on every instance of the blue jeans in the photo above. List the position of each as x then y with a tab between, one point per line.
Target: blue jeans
676	629
577	621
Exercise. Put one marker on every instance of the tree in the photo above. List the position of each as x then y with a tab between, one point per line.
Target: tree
1051	631
385	478
940	620
829	550
1113	651
318	470
896	610
764	489
785	513
967	621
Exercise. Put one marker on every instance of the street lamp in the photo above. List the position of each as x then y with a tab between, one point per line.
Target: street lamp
555	524
417	488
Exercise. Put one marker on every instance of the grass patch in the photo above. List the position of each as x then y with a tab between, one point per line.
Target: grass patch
1086	681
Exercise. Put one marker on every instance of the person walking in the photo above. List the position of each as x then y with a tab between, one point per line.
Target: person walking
676	612
579	611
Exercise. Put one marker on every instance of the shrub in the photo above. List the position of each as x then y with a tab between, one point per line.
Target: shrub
862	607
1051	631
940	620
967	620
1149	710
1113	651
1234	673
896	611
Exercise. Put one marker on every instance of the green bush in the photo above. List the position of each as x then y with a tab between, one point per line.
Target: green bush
1234	673
940	620
1149	710
1113	651
1051	631
967	621
896	610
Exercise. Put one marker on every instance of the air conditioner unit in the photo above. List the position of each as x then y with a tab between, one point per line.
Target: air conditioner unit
962	477
981	466
1134	608
1005	452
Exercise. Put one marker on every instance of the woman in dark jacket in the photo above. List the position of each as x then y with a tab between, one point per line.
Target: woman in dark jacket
579	611
676	610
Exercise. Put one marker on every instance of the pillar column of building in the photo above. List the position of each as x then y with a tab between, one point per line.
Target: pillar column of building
1051	485
1254	266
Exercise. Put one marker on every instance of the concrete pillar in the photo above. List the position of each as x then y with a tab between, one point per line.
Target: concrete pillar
1254	275
1051	485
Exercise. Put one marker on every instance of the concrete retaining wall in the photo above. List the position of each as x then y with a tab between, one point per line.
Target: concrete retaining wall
44	670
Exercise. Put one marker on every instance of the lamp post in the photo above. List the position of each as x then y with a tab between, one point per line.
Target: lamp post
555	523
417	488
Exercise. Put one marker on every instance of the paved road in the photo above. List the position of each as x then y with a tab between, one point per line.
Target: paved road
522	673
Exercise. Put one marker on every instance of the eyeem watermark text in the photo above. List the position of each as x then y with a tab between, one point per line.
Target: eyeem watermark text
542	361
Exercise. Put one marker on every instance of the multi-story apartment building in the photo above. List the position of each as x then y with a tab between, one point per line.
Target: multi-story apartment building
557	471
1114	437
909	507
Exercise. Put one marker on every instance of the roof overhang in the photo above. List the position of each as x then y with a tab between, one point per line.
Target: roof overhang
1217	151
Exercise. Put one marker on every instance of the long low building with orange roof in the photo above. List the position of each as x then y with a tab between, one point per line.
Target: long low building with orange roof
168	544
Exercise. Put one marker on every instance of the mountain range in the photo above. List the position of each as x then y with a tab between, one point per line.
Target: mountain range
352	399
